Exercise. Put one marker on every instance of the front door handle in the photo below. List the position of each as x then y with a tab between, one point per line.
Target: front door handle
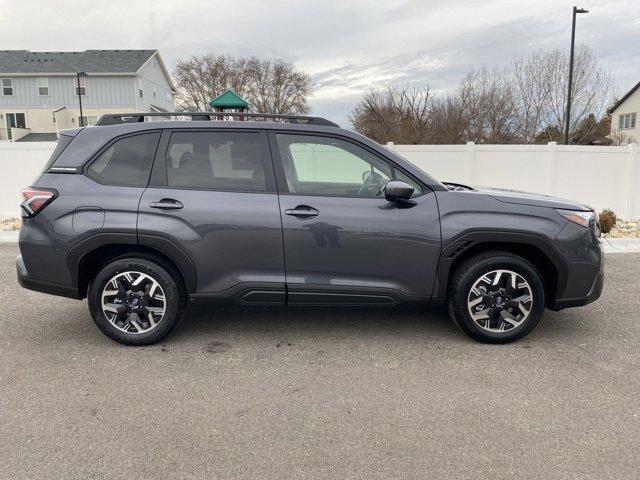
302	211
167	204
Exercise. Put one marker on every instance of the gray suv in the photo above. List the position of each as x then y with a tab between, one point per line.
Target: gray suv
147	213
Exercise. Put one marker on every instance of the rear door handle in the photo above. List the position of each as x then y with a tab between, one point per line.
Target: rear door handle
167	204
302	211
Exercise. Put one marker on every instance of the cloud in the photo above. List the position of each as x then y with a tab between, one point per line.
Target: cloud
347	47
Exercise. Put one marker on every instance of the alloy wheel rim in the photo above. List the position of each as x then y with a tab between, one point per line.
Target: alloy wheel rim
500	300
133	302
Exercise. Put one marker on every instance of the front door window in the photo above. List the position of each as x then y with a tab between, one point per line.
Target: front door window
332	167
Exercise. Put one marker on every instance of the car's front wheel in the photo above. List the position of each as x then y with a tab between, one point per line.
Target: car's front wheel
496	297
135	301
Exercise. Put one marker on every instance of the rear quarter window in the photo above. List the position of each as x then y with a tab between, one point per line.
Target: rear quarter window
126	162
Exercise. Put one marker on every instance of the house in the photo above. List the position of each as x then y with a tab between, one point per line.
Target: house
625	117
39	91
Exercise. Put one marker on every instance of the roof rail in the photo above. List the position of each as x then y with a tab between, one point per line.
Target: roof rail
117	118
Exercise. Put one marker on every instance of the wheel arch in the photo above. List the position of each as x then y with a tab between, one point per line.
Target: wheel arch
535	249
86	258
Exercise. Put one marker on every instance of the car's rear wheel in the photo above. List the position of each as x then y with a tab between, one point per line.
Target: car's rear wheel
135	301
496	297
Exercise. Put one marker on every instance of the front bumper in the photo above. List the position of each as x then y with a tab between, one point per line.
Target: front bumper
592	296
584	267
41	286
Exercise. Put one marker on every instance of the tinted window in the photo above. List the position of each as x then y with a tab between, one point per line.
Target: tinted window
328	166
217	161
417	189
126	162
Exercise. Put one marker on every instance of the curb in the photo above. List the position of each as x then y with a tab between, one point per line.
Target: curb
9	237
621	245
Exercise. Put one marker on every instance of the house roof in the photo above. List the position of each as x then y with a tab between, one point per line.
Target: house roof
90	61
229	99
39	137
621	101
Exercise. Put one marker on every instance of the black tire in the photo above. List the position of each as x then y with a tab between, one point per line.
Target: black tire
467	273
161	272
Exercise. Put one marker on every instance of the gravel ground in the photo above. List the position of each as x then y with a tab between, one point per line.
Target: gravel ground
320	393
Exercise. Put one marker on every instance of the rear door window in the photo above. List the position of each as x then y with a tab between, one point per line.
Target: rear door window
126	162
216	160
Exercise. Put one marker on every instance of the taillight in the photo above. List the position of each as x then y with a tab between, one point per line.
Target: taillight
35	199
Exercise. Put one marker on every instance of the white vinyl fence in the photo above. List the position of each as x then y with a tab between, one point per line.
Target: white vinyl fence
20	164
604	177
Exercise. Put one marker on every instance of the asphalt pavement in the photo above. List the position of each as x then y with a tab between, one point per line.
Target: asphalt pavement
320	393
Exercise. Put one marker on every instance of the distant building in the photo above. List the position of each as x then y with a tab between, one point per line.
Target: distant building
625	116
39	91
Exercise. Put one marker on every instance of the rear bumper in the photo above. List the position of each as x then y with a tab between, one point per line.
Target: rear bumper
41	286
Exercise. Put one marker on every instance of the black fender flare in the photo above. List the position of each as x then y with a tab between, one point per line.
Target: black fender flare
458	245
178	255
166	247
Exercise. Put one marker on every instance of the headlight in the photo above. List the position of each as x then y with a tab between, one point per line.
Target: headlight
575	216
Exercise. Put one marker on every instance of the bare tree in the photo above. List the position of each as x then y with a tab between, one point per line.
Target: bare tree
275	86
591	88
619	138
529	90
449	121
486	97
398	114
269	86
523	102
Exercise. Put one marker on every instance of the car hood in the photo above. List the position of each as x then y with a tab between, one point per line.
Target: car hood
535	199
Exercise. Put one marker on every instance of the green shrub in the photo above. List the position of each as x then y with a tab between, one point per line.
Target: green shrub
607	219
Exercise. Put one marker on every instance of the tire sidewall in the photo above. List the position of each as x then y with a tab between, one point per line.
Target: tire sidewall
458	304
172	300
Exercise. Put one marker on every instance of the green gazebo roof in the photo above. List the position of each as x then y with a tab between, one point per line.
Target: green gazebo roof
228	100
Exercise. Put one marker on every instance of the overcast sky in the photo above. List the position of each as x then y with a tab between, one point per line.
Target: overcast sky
348	46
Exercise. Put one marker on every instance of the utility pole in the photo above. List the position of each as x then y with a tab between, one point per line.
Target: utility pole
567	120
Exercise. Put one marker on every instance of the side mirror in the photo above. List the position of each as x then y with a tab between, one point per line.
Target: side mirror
397	190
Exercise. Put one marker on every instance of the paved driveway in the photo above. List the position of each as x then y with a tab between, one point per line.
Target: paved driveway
322	393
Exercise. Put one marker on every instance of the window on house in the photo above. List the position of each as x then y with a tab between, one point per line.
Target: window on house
89	120
82	88
140	88
627	121
43	87
7	87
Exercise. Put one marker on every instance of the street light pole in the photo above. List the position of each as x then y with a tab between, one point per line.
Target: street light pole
78	75
567	119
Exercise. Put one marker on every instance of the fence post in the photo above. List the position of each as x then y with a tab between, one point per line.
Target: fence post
471	161
552	159
390	146
631	180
